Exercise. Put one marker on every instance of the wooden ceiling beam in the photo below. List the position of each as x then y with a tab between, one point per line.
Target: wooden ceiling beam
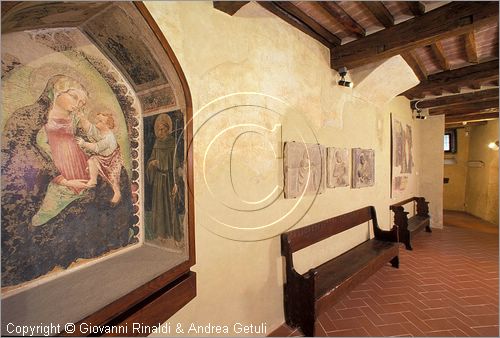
464	108
461	17
291	14
475	85
460	77
416	7
437	48
455	125
453	100
470	118
416	64
341	16
229	7
380	12
470	47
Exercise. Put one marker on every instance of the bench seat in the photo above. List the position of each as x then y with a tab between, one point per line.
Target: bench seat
353	265
417	223
308	295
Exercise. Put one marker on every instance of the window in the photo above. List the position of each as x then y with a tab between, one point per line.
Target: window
450	141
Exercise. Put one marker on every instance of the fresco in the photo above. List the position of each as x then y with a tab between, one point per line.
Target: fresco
62	14
363	168
337	167
402	156
164	179
116	32
67	176
157	99
304	169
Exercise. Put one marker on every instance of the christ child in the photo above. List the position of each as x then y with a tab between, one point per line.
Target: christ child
106	159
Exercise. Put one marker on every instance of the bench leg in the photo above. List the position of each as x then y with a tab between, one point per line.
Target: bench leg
428	228
308	329
395	262
404	237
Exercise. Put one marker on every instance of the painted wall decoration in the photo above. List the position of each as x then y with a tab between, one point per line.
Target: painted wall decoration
117	35
164	179
95	164
337	167
69	148
304	169
158	99
402	156
363	168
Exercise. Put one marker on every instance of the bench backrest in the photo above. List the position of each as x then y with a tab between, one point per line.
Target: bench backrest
301	238
422	206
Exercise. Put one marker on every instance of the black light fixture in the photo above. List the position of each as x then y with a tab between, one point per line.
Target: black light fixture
419	114
343	81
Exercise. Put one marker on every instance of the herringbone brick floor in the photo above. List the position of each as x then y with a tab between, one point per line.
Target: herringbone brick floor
446	286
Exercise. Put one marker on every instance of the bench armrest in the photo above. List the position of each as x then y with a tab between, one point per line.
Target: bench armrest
422	207
400	217
386	235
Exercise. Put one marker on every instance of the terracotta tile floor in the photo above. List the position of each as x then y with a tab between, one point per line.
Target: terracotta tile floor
446	286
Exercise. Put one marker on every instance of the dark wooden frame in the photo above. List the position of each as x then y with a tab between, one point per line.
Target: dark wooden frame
158	299
408	226
302	301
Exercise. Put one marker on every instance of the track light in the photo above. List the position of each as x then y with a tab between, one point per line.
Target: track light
343	82
419	114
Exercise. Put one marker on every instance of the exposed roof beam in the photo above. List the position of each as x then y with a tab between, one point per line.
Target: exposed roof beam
461	77
438	50
470	118
475	85
416	7
465	108
470	47
461	17
452	100
295	17
342	17
382	14
455	125
413	60
229	7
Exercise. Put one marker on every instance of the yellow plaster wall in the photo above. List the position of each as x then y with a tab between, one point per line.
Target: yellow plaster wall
257	73
454	190
482	183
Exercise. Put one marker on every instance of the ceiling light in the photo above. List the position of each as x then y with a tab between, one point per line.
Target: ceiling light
419	114
493	145
343	82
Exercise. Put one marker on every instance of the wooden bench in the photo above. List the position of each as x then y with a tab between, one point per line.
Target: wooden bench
408	226
308	295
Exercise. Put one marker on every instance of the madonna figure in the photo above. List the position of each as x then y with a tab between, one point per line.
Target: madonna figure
57	140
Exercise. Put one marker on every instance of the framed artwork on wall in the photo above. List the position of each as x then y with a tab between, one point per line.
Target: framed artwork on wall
363	167
304	169
97	176
402	156
337	167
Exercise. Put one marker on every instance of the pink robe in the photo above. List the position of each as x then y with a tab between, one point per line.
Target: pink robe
68	157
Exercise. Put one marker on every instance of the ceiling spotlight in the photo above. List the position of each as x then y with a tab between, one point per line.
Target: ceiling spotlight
419	114
494	145
343	82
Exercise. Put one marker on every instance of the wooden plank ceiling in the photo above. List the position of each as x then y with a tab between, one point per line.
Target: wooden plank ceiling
452	47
